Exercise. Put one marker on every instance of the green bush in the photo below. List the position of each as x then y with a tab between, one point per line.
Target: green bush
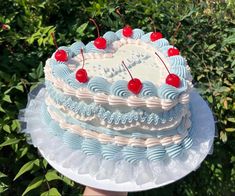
206	38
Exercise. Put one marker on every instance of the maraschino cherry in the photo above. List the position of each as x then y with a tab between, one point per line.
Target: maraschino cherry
134	85
127	31
81	74
171	79
155	35
174	51
60	55
99	42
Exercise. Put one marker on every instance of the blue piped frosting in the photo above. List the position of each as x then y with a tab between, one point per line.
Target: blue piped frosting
98	85
120	89
110	37
61	70
76	47
90	47
148	90
160	43
113	117
114	152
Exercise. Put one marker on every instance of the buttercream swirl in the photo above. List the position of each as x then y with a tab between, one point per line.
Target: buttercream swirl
137	34
72	140
120	89
110	37
180	70
91	147
146	37
109	151
72	82
160	43
90	48
177	60
98	85
155	153
148	90
61	71
76	47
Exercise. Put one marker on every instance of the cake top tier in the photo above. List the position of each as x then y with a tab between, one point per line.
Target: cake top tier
103	70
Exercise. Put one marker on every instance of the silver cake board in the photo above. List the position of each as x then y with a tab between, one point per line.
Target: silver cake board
101	174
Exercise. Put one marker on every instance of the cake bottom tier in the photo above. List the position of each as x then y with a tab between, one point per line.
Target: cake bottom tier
111	151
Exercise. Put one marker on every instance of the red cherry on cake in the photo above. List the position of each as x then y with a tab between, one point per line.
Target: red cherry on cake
81	75
173	80
155	36
135	85
173	51
61	55
100	43
127	31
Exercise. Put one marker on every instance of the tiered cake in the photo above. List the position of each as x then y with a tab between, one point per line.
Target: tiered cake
93	104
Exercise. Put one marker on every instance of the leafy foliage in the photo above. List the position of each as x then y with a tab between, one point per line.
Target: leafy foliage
206	38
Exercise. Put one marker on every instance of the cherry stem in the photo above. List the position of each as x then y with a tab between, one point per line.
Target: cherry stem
163	62
176	31
97	28
54	40
117	10
153	25
127	69
83	59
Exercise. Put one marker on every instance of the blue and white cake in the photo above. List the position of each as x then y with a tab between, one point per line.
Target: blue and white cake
98	111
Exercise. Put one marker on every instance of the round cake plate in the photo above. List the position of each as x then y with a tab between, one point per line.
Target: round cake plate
203	131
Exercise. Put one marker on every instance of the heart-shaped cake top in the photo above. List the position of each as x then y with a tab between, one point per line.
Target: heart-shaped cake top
106	74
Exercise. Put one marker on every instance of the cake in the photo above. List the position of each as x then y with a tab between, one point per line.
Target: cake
94	105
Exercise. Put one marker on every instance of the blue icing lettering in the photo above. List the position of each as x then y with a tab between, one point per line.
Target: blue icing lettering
90	48
61	70
120	89
146	37
137	34
98	85
76	47
160	43
110	37
148	89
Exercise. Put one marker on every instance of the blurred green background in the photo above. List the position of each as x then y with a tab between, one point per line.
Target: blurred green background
206	38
